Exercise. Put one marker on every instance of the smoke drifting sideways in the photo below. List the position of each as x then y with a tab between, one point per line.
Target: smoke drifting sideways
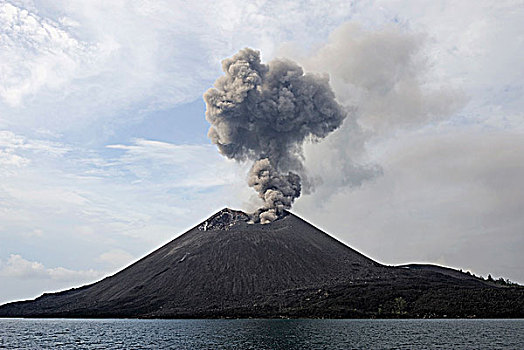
264	113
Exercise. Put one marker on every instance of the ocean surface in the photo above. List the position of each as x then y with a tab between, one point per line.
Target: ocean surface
260	334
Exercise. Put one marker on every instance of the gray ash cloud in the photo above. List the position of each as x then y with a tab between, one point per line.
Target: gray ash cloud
264	113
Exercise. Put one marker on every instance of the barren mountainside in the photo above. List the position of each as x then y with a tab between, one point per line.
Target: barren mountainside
229	267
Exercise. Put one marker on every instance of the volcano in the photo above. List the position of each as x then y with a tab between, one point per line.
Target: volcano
229	267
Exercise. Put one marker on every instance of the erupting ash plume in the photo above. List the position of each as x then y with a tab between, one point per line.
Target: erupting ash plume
264	112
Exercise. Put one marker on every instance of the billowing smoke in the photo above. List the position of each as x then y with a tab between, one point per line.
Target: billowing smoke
264	112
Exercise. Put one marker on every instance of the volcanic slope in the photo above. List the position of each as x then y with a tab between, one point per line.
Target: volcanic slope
228	267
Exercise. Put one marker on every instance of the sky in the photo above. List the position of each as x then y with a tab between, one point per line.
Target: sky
104	154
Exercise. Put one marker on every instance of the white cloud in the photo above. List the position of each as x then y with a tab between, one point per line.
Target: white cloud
67	65
147	192
14	143
196	166
24	279
17	152
36	53
116	258
18	267
7	159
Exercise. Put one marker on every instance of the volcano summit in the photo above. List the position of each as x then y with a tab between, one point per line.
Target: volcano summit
228	266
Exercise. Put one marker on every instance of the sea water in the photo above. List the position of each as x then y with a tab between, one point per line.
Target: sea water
260	334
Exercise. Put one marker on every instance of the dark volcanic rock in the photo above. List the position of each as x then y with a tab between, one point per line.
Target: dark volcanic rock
229	267
223	220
